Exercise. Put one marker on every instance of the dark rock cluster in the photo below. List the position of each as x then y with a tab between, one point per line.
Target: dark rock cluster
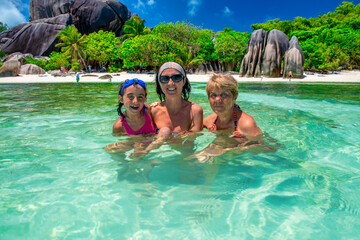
294	59
265	52
49	17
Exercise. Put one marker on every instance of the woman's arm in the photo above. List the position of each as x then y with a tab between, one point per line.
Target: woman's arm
197	118
247	126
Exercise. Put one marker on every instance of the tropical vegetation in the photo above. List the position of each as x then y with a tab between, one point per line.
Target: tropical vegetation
3	27
329	42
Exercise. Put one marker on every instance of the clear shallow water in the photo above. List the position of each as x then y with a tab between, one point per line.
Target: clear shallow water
57	181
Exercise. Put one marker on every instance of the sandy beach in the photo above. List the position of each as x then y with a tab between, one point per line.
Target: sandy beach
343	76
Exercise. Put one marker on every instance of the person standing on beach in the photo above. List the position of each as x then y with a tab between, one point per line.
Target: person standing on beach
262	75
290	75
77	78
175	114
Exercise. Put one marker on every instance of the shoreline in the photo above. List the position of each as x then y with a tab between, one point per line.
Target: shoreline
341	77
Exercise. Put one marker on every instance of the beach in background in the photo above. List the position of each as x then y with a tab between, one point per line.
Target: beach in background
343	76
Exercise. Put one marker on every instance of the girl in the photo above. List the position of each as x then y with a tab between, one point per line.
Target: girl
136	119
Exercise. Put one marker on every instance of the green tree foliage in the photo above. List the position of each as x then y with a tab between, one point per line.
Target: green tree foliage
134	27
2	54
230	46
3	27
72	44
150	51
330	41
102	47
56	61
185	43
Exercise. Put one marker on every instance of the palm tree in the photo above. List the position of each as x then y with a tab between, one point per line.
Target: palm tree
134	27
71	44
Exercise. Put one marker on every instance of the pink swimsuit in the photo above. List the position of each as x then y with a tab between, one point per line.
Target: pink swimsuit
148	127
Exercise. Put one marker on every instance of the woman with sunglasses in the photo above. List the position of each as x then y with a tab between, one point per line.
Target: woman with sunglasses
175	114
136	118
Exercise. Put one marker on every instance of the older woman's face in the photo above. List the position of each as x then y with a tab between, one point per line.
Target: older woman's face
221	100
171	88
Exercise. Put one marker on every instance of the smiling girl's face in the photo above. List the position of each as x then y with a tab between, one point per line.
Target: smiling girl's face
134	98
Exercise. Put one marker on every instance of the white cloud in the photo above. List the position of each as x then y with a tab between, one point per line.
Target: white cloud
227	12
142	6
139	5
10	14
193	6
150	2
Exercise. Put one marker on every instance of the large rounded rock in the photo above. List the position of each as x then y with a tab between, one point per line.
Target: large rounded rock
276	46
35	38
294	59
94	15
31	69
251	63
17	56
39	9
49	17
10	69
88	15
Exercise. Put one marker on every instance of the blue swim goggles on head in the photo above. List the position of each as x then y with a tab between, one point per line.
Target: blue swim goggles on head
130	82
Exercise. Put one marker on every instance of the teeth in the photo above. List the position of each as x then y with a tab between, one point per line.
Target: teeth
171	89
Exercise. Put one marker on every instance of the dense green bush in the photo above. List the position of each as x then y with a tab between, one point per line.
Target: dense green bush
57	60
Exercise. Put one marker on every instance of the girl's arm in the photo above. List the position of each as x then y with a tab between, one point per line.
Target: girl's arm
118	128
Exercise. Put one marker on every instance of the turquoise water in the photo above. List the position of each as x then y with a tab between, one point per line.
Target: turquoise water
57	181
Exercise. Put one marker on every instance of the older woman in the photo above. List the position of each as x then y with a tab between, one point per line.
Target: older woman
227	119
175	113
222	91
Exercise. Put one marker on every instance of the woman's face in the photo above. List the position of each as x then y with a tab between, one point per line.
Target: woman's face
171	87
221	101
134	98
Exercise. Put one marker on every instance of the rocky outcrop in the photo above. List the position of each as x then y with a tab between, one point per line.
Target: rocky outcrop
266	51
94	15
35	38
39	9
88	15
17	56
251	63
294	59
276	46
30	69
10	69
49	17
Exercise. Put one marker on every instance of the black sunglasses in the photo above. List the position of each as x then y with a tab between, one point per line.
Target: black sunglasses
175	78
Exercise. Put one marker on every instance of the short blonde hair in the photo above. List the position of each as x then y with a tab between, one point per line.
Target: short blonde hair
223	81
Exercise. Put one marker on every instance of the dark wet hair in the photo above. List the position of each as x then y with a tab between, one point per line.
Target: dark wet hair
185	91
122	94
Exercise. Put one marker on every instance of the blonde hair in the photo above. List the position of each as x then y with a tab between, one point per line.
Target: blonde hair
222	81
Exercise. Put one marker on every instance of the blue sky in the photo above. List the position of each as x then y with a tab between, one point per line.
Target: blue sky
210	14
